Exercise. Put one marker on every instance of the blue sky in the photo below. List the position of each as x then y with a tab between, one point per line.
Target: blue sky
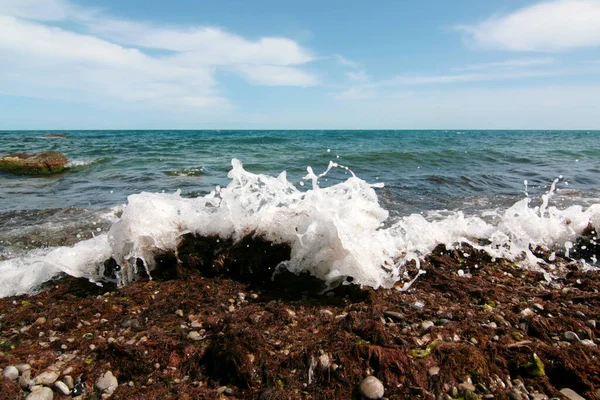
188	64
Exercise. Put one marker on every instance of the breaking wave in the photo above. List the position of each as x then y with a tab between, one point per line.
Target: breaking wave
333	232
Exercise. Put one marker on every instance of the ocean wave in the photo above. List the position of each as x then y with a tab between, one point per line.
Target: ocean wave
334	233
76	164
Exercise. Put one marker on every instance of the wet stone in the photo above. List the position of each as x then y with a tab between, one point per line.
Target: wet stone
591	323
371	388
418	305
571	336
61	387
579	314
396	316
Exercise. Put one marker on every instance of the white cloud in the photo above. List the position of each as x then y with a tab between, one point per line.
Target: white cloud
274	75
549	26
112	59
40	59
46	10
509	64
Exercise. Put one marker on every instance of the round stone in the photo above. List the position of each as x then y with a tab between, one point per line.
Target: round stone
11	372
43	393
62	388
371	388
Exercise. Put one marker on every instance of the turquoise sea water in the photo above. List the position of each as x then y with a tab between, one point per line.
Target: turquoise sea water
421	169
469	171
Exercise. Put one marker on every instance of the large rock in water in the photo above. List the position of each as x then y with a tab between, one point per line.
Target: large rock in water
40	163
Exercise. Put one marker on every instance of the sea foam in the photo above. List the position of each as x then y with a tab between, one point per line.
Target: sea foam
334	232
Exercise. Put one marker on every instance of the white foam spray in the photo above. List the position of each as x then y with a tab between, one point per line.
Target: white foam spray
334	232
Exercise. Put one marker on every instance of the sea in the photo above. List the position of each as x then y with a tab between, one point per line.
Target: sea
349	202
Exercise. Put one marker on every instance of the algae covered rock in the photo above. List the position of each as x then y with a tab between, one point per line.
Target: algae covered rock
31	164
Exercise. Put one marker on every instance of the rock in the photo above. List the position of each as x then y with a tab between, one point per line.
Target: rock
107	383
396	316
25	379
194	335
62	388
32	164
56	136
571	394
69	381
426	325
324	361
433	371
588	342
11	372
418	305
591	323
179	313
43	393
463	387
371	388
579	314
23	367
571	336
46	378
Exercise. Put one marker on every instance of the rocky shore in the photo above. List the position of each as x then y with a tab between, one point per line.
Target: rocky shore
470	328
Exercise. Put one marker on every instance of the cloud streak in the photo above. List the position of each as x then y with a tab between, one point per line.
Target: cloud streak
550	26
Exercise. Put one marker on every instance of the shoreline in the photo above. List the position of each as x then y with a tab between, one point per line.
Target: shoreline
494	331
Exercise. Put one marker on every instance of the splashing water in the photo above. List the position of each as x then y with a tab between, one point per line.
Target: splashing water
334	232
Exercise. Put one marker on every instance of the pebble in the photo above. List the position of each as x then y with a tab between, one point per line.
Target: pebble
179	313
579	314
587	342
43	393
371	388
571	336
491	325
433	371
46	378
571	394
591	323
25	379
194	335
444	321
538	396
62	388
107	383
23	367
397	316
418	305
426	325
11	372
324	361
69	381
466	386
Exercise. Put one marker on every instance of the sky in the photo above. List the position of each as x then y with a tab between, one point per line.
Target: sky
351	64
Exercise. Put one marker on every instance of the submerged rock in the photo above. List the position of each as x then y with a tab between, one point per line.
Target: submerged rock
33	164
56	136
